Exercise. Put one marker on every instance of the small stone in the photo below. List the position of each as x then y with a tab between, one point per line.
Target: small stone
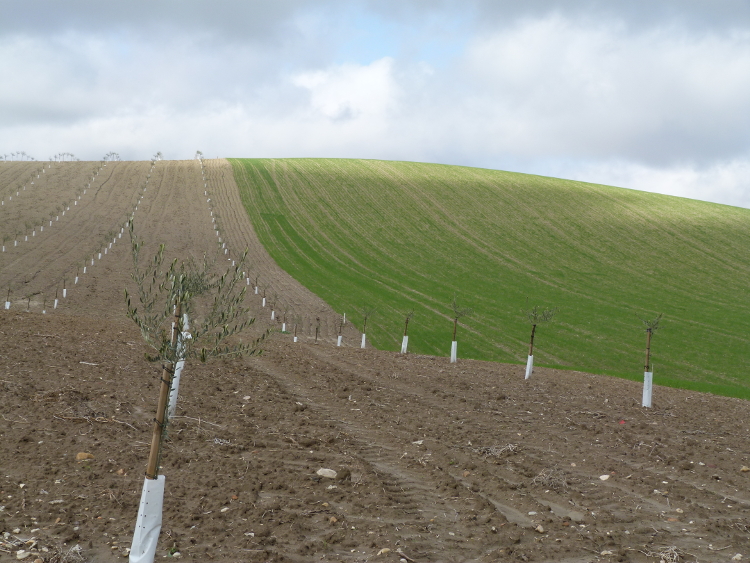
744	469
235	497
329	473
573	465
606	553
250	534
16	530
603	477
83	456
37	560
120	471
224	509
737	557
21	554
384	551
466	473
333	519
679	510
326	505
539	529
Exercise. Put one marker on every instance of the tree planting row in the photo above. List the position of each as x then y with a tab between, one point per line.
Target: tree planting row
61	262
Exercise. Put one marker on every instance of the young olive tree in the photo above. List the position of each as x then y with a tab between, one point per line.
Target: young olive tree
165	294
457	313
536	316
652	325
405	339
366	313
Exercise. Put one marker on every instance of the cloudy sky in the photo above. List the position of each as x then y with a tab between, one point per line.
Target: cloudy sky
645	94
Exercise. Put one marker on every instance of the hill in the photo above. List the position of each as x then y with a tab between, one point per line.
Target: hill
435	461
400	235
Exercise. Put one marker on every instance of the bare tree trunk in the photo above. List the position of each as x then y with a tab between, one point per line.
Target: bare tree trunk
531	344
455	327
152	469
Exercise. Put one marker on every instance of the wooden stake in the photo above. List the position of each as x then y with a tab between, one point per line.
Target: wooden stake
160	422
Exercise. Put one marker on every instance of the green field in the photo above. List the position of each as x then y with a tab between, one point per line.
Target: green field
401	235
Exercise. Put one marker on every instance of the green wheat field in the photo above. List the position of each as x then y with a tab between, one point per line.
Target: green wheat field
399	235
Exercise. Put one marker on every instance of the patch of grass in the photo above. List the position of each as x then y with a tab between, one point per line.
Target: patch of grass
400	235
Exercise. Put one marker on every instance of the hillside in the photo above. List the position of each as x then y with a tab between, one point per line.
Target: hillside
399	235
435	461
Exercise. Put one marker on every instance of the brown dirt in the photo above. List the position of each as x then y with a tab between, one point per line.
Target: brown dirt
436	462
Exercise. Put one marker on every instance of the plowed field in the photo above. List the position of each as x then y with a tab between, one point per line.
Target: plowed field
434	462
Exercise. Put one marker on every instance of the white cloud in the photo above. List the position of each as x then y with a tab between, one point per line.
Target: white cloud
351	92
585	88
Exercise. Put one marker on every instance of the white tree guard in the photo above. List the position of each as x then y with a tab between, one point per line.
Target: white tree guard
283	327
173	392
295	339
264	302
404	344
529	366
55	307
344	318
273	315
148	524
454	351
256	290
75	281
364	341
648	387
7	305
65	293
338	340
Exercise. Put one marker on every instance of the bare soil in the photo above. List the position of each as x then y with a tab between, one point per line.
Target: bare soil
435	461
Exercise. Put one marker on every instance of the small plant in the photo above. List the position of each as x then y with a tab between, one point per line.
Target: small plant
366	313
164	293
536	316
457	313
405	339
652	325
409	316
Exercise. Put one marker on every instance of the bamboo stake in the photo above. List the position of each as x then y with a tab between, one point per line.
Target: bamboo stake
160	422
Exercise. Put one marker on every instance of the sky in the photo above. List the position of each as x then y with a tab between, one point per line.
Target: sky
646	94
